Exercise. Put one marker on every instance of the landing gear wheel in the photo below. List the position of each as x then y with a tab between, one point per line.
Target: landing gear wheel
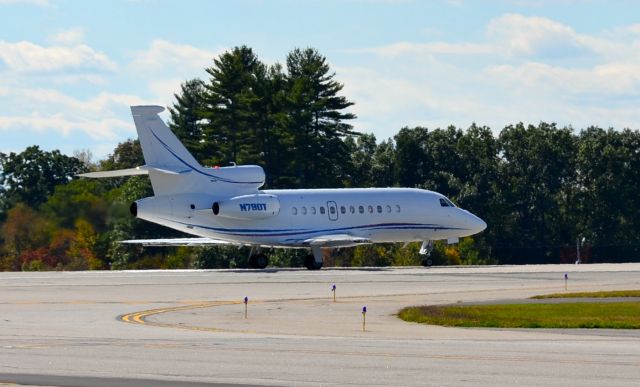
427	262
258	261
311	264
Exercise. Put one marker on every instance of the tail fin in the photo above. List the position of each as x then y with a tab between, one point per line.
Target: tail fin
173	170
161	148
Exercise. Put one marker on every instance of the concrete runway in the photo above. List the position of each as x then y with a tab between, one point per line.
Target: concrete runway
188	328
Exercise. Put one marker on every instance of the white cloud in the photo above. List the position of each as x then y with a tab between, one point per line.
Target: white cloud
38	87
101	129
75	79
166	65
433	48
163	55
520	37
531	69
164	89
50	110
40	3
535	37
30	57
604	80
68	37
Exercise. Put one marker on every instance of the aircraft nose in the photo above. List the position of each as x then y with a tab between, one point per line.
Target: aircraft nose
474	223
477	224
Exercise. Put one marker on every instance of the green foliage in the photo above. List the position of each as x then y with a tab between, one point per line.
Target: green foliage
220	257
372	255
80	199
406	255
118	255
607	191
24	230
287	257
539	167
602	294
30	177
619	315
127	154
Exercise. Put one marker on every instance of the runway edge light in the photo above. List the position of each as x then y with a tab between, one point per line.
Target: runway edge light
246	302
364	318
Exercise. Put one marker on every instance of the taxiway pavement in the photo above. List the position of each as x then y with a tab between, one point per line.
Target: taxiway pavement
189	327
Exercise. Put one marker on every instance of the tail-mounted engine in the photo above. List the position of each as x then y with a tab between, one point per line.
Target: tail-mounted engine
258	206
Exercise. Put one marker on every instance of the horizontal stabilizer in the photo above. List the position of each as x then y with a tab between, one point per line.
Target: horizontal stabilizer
117	173
142	170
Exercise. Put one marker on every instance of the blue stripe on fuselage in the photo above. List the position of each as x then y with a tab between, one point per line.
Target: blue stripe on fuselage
292	232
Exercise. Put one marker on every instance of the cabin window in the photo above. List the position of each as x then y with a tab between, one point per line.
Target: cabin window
332	210
313	210
379	209
361	209
388	209
352	210
343	210
294	210
322	210
303	210
370	209
397	208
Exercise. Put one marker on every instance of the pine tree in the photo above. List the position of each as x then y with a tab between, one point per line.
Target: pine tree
186	118
316	119
230	106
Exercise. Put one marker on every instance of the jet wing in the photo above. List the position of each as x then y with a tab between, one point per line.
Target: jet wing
180	242
336	240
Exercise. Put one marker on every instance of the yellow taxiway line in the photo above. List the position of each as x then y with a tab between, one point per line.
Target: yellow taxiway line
141	316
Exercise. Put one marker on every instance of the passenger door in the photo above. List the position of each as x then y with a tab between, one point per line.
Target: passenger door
332	210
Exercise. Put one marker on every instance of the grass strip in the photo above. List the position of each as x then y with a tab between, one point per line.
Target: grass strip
614	293
615	315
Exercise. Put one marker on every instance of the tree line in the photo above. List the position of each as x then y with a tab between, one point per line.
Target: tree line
540	188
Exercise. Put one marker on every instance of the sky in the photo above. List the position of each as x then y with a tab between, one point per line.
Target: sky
69	70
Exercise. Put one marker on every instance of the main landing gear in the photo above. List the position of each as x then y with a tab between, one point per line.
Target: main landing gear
258	261
425	250
314	261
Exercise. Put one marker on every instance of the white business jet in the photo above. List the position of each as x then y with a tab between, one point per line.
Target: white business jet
226	206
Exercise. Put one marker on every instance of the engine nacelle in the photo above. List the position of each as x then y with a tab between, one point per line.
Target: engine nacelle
149	208
258	206
241	175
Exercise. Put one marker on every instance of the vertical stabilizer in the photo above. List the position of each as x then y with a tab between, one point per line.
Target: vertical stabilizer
171	166
161	148
173	170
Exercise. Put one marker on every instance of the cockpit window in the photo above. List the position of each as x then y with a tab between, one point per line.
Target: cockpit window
444	202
